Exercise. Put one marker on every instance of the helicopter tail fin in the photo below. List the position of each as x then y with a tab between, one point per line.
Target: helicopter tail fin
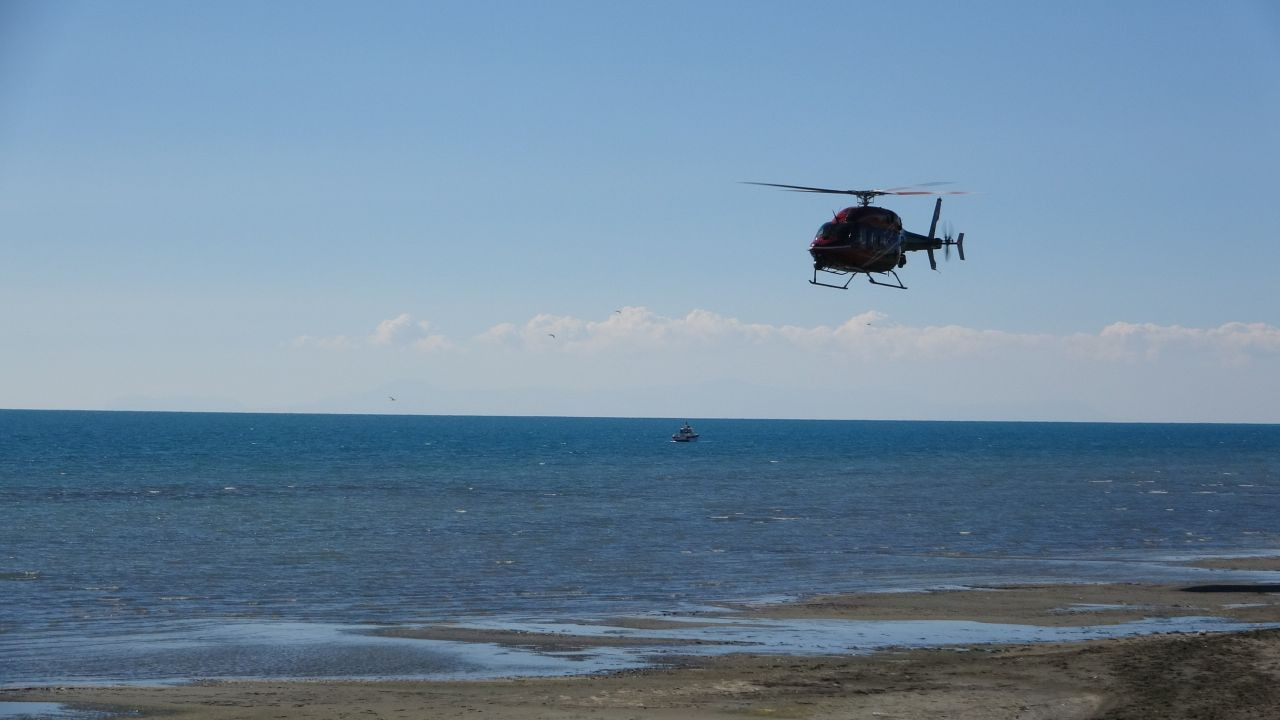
933	226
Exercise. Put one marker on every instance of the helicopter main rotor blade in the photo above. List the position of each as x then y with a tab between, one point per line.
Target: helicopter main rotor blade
871	193
921	185
802	188
916	189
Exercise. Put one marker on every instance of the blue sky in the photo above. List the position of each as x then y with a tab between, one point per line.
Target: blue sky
308	206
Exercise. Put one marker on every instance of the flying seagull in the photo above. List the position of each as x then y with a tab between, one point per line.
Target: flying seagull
551	334
391	398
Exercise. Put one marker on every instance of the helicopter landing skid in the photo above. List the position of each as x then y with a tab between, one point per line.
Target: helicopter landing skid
897	281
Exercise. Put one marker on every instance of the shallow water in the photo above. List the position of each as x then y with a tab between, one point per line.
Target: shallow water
44	711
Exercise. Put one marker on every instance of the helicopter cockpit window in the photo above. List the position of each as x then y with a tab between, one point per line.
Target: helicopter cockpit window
832	233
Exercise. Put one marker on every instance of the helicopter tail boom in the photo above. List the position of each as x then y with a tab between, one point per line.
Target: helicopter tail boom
915	241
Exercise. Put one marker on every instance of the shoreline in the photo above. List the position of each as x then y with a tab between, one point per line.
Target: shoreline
1226	676
1161	674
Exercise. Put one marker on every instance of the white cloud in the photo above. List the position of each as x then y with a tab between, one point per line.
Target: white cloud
338	342
1233	343
399	331
387	330
432	342
635	361
498	334
868	336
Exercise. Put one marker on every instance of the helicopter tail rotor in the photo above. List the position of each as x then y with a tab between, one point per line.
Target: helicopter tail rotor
948	240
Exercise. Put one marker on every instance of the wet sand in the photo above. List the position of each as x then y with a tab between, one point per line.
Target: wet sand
1189	675
1053	605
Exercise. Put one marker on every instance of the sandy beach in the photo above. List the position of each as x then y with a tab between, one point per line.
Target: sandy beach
1178	675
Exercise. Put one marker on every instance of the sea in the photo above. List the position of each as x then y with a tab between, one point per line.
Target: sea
150	547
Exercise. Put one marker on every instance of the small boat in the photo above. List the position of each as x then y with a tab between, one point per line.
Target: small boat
685	434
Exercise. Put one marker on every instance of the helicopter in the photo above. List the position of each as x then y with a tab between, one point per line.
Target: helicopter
870	240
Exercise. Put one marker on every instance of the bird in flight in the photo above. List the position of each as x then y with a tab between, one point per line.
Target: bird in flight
391	398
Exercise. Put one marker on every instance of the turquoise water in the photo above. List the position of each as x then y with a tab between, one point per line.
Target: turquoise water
158	537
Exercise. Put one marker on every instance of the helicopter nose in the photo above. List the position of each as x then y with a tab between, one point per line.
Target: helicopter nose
828	234
824	236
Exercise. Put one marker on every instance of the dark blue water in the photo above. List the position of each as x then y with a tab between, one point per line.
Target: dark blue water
114	524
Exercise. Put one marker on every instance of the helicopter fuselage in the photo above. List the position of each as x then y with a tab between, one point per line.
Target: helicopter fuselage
866	239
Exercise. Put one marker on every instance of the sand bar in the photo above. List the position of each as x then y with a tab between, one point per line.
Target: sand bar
1187	675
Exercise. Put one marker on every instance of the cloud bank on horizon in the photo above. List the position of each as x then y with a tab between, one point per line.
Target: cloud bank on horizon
637	362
